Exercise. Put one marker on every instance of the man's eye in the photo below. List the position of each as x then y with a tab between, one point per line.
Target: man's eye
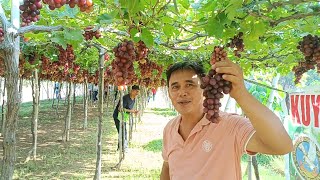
174	87
189	84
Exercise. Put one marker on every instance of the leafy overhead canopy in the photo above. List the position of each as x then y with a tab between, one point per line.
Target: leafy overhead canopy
189	29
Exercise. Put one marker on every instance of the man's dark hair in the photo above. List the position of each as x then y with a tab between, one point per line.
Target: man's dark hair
135	87
185	65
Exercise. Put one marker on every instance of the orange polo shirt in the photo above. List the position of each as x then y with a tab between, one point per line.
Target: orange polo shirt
211	151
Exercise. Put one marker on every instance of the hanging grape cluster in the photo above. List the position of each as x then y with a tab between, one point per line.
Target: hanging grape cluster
84	5
214	86
1	34
142	50
237	44
122	66
66	59
55	4
150	73
30	11
310	47
89	33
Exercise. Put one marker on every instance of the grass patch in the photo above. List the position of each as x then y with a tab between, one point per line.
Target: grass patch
166	112
154	146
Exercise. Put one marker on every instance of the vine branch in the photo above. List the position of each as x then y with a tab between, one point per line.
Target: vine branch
115	31
26	29
295	16
269	87
292	2
268	57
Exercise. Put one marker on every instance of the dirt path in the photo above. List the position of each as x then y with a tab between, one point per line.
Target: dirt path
140	158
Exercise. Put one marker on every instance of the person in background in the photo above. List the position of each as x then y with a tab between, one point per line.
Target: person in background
154	91
57	90
196	148
128	101
95	92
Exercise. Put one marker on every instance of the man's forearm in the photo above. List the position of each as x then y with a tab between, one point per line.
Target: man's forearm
268	127
129	110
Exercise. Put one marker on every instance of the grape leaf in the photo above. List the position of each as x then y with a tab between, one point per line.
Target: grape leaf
59	39
168	30
185	3
147	37
75	35
135	34
214	27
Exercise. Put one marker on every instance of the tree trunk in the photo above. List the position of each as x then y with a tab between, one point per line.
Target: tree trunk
137	107
255	167
48	97
249	168
143	97
0	89
97	175
74	94
3	110
11	61
85	104
35	113
130	127
121	133
66	131
66	99
20	88
13	103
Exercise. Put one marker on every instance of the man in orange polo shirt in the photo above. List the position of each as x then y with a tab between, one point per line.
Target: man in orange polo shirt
195	148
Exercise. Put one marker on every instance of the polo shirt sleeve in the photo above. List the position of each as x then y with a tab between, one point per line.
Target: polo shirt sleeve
243	131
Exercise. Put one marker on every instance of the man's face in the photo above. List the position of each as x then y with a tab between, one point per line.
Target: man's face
185	92
135	93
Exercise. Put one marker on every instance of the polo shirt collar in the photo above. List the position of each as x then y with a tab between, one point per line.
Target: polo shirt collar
198	127
203	122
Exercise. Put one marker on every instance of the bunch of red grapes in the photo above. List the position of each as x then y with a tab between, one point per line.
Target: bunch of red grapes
147	68
122	66
66	59
237	44
84	5
310	47
142	50
214	86
89	33
30	11
1	34
55	4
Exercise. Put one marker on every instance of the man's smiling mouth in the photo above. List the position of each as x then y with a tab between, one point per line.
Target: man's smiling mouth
184	102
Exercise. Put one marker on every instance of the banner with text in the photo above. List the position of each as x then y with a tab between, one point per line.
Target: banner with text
305	133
